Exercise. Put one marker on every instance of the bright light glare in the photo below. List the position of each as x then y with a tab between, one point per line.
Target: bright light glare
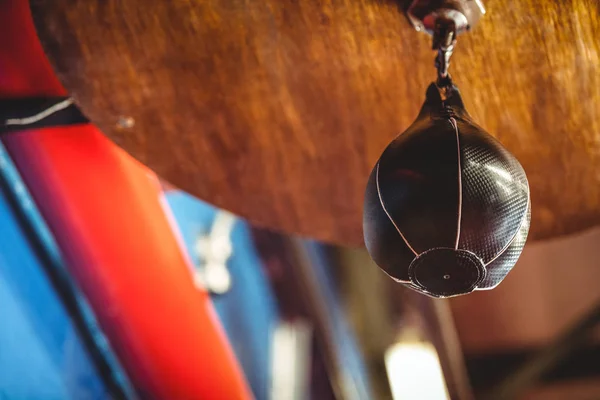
415	373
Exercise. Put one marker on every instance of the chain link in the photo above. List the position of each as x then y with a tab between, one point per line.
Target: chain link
444	40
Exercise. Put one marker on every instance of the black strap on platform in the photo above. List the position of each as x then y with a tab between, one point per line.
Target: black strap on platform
18	114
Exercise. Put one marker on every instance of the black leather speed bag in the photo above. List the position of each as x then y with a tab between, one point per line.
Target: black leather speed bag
447	208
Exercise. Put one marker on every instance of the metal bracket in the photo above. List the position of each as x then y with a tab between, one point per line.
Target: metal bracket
425	14
215	249
444	20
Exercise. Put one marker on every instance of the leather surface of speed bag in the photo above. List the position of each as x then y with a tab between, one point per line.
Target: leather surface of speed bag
447	207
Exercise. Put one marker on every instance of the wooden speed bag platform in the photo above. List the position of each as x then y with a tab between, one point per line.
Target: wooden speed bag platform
278	110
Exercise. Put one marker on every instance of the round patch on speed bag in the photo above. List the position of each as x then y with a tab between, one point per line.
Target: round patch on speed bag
445	272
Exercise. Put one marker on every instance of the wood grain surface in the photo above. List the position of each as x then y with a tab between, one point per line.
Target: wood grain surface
278	109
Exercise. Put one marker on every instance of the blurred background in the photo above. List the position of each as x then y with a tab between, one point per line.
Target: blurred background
117	282
303	319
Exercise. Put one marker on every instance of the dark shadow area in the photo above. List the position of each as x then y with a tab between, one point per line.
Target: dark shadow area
401	4
485	371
